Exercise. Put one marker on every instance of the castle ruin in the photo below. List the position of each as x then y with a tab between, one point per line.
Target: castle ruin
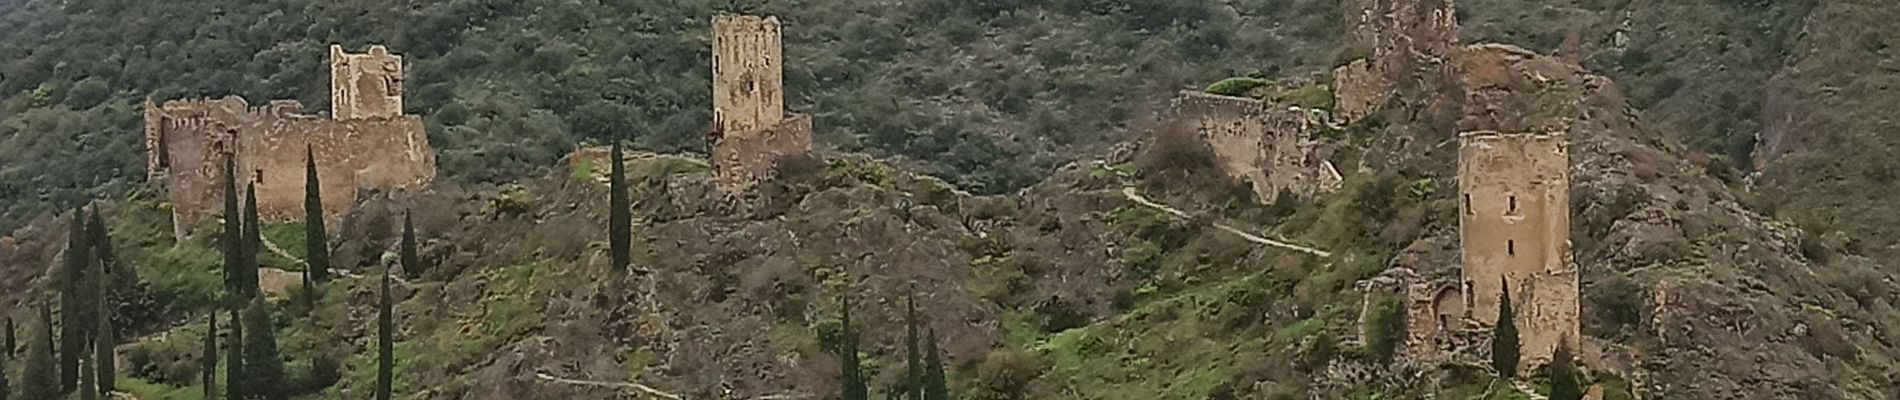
1389	42
366	143
1272	146
751	130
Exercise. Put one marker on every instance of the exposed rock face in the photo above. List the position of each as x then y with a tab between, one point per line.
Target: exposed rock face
751	130
367	144
1272	146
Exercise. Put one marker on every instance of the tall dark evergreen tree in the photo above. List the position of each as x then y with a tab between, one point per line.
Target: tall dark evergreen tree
232	238
264	376
13	346
1564	382
101	240
253	244
76	302
6	358
105	341
1504	342
411	264
234	360
913	357
316	239
936	387
38	377
208	372
385	344
619	216
850	376
89	376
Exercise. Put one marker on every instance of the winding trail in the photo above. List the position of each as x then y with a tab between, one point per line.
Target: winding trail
1136	196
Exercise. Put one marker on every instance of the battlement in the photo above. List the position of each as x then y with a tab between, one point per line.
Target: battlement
1271	146
751	130
366	144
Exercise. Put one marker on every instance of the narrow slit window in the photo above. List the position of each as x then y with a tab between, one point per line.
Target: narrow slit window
1510	247
1468	204
1512	210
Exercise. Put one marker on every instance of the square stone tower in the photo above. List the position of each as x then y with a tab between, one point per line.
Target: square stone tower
751	130
1514	179
367	85
748	77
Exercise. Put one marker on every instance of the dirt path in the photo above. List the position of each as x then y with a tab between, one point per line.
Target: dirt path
1136	196
621	385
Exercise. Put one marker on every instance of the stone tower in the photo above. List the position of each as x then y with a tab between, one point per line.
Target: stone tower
367	85
1514	221
748	79
751	130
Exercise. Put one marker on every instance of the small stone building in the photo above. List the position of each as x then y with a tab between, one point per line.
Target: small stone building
367	143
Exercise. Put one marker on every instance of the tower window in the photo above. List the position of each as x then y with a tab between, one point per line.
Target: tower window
1510	247
1512	209
1468	204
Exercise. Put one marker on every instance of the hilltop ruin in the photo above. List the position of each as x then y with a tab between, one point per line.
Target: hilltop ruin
1270	145
751	130
366	143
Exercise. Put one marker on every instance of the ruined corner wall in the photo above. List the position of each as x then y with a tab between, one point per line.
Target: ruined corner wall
1266	144
1398	41
365	85
741	162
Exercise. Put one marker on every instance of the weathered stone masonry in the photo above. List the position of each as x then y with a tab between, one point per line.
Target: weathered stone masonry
1269	145
1400	41
366	144
751	130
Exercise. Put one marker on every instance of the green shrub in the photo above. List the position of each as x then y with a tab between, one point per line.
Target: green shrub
1236	86
1385	330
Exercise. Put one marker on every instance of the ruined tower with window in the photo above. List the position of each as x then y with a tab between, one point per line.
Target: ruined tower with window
751	130
366	143
1514	177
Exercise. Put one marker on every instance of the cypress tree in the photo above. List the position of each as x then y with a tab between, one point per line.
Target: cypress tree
316	239
1564	382
105	342
619	217
1504	344
253	244
410	263
12	346
6	358
263	367
38	379
385	344
1386	330
234	360
913	359
851	378
935	386
232	238
208	373
75	303
89	377
101	240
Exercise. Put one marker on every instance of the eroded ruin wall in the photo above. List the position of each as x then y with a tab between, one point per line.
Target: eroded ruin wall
1264	144
741	162
365	85
1394	41
748	78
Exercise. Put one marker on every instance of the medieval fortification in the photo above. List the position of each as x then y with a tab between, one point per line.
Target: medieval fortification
366	143
751	130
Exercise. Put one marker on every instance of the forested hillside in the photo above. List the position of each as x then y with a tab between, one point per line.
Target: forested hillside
991	95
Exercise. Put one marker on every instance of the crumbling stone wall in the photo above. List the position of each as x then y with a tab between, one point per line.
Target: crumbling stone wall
1272	146
751	130
188	141
367	85
1514	177
1392	42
